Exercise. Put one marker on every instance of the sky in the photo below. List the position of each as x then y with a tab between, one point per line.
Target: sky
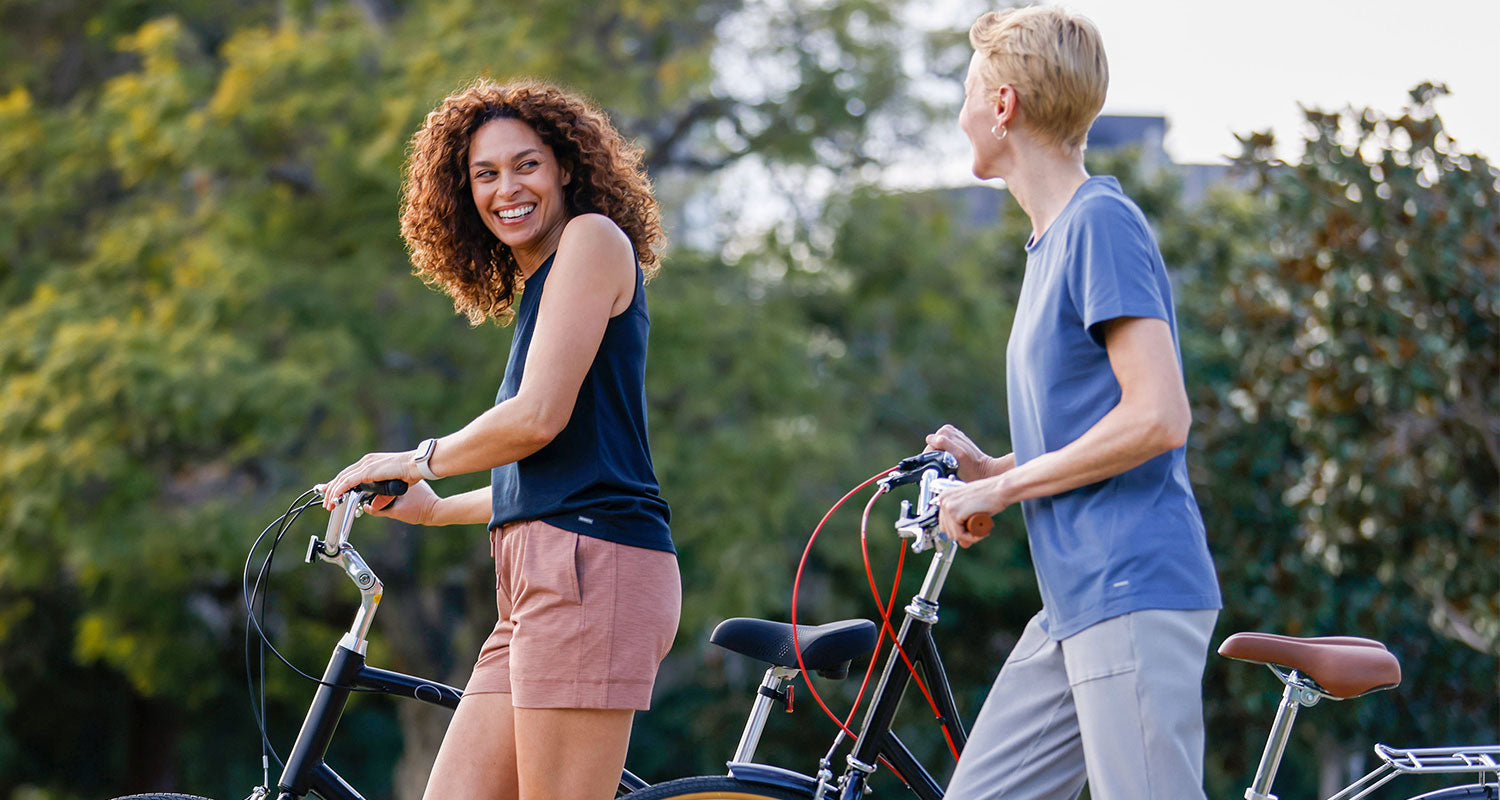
1216	68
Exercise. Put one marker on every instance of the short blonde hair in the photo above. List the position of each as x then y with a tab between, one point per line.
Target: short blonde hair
1055	60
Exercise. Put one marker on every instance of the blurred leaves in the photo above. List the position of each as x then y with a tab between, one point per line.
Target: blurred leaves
1370	326
206	307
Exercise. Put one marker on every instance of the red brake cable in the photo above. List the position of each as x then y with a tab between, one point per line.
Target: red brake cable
886	608
797	586
885	621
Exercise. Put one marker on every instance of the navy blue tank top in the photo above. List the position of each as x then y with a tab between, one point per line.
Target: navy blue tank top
595	478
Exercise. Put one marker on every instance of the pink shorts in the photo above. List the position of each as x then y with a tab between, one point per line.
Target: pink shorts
584	623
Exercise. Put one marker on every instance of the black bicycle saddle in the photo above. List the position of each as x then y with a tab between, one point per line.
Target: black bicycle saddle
827	649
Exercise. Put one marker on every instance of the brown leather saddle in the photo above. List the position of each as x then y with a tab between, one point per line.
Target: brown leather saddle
1342	666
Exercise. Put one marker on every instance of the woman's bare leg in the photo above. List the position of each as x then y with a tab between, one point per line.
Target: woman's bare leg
574	753
477	760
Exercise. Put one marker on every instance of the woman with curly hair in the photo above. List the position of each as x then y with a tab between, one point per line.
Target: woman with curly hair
524	188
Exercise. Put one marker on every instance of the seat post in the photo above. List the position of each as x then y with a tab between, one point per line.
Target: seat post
776	678
1295	696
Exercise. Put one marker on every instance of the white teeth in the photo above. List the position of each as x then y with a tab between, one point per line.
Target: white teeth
517	213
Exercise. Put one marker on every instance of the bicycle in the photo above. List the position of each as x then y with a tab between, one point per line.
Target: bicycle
1333	668
305	771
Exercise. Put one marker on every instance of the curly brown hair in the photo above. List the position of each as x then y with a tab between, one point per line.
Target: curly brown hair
450	246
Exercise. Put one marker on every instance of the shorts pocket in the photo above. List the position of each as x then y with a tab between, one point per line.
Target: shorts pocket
1101	650
549	565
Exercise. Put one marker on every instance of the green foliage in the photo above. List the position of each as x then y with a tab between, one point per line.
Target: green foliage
1371	326
206	308
1340	331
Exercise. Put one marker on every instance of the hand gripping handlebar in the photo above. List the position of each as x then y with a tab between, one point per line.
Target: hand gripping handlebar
936	470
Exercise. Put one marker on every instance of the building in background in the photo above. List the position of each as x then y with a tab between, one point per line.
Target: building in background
1146	133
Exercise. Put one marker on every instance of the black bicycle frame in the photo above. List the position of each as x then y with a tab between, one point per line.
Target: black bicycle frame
306	771
876	739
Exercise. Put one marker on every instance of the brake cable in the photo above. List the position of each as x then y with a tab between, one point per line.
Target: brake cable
886	608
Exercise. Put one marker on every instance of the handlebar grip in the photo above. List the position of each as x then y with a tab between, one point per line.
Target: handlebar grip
927	458
395	487
910	469
979	525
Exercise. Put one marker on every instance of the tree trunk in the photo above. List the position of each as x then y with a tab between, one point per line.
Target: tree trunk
1337	765
152	747
422	728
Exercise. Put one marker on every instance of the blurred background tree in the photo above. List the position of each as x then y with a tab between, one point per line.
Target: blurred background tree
206	308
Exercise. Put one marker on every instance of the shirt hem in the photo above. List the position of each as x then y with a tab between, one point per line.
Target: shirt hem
570	523
1122	606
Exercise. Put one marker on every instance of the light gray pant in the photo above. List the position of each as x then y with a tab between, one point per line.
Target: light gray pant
1119	704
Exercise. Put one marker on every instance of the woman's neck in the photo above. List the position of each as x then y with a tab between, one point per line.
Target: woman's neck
531	258
1043	180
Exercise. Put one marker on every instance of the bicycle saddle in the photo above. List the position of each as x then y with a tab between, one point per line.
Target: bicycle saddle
827	649
1343	666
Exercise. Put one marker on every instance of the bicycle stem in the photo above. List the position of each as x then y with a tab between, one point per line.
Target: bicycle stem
339	522
335	549
370	592
924	605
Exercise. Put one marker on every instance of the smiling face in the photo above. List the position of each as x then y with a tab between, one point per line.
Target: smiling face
517	186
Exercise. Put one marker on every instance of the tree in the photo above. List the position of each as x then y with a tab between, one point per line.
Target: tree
206	306
1343	340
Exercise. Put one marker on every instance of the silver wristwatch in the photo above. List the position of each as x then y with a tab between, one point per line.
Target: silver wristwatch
424	452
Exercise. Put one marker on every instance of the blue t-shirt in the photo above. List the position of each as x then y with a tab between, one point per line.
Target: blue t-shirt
1134	541
595	477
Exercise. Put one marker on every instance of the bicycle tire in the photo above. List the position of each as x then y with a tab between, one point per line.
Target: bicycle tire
1472	791
162	796
716	787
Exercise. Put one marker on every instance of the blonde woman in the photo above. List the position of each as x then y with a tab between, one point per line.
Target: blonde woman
1104	685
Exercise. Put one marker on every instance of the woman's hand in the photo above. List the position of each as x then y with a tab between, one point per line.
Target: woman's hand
973	463
414	508
373	467
961	504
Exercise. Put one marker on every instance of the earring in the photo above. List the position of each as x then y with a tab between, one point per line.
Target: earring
999	131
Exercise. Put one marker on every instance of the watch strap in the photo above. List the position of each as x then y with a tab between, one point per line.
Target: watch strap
424	452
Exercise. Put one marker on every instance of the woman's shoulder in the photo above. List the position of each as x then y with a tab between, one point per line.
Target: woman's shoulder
595	230
595	239
1102	196
1105	204
593	245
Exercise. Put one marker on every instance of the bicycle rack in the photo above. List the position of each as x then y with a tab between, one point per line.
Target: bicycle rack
1422	760
1441	759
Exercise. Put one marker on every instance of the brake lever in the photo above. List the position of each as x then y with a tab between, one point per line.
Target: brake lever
912	468
923	527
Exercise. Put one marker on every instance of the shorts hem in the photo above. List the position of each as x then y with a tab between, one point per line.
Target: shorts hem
632	695
488	684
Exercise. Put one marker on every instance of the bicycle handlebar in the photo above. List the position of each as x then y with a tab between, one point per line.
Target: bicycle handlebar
910	469
936	470
395	487
347	508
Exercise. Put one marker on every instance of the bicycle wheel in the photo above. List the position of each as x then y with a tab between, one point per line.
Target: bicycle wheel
1473	791
715	788
160	796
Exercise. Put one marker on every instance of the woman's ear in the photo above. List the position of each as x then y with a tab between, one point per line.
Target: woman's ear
1006	104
